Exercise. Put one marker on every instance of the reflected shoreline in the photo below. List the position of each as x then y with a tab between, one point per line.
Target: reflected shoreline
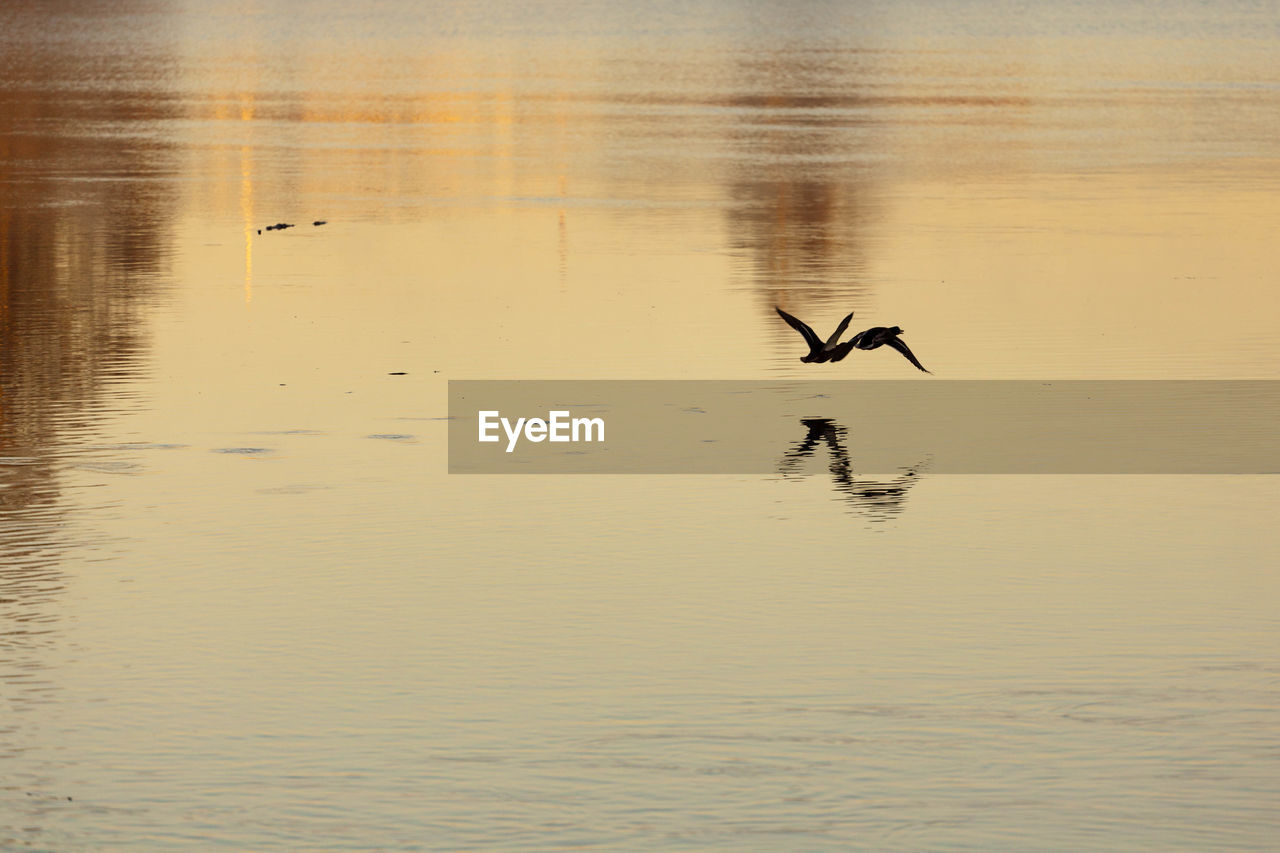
86	240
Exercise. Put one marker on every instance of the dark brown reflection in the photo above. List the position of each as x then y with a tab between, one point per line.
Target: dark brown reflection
86	199
802	188
878	499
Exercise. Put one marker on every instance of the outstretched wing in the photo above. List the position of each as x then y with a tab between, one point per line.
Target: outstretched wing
803	328
901	346
835	336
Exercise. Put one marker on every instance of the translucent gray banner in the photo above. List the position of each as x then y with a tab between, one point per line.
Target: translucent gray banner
870	427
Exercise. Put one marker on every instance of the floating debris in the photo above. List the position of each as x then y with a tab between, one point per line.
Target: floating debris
319	222
397	373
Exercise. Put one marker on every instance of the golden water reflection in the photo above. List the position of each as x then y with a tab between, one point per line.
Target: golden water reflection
305	634
964	186
85	239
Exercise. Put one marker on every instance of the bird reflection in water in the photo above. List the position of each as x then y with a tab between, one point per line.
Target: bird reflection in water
879	499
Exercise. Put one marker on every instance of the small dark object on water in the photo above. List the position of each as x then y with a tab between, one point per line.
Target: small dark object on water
259	230
318	222
398	373
280	226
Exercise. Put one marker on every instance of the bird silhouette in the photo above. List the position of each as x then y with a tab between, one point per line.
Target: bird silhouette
818	351
881	336
833	351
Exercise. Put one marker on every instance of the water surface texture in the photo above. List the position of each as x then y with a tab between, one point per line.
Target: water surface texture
244	606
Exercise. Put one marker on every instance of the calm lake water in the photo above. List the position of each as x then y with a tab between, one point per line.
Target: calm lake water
243	605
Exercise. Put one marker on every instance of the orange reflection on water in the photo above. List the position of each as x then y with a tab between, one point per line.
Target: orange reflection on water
246	210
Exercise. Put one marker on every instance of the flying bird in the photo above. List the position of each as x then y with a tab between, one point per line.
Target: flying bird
818	351
833	351
880	336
